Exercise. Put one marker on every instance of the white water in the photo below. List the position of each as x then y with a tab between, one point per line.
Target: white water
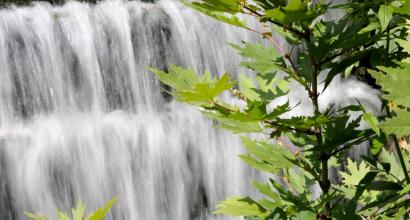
81	118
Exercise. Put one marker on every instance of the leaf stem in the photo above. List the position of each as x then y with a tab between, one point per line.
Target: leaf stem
387	47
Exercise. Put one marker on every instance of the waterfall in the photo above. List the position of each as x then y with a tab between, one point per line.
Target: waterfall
81	118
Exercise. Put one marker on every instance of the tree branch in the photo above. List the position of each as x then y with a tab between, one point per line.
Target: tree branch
323	156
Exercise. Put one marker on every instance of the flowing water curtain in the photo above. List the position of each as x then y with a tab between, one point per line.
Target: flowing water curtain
81	118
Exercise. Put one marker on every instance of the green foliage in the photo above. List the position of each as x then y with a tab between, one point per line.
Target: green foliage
355	173
263	59
77	213
223	10
385	14
295	11
395	82
238	206
404	8
192	88
399	125
371	36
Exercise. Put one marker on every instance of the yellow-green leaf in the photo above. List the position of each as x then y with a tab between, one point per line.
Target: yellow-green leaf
399	125
355	173
78	211
372	122
36	216
100	213
385	14
240	206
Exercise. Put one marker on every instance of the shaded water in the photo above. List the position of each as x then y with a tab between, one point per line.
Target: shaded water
81	118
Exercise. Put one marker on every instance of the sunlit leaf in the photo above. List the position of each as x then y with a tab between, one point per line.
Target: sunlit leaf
399	125
355	173
263	59
78	211
265	156
404	9
36	216
305	215
294	11
100	213
372	121
385	14
62	215
192	88
240	206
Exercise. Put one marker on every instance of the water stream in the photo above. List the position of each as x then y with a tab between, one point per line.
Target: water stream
81	118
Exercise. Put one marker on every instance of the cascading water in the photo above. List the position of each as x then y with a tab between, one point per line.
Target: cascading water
81	118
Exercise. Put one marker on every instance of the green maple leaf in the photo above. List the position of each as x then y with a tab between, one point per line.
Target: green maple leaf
372	121
266	189
266	156
177	77
268	87
100	213
223	10
399	124
385	14
77	212
240	206
294	11
233	125
389	158
355	173
395	83
263	60
192	88
205	91
404	9
406	48
228	6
